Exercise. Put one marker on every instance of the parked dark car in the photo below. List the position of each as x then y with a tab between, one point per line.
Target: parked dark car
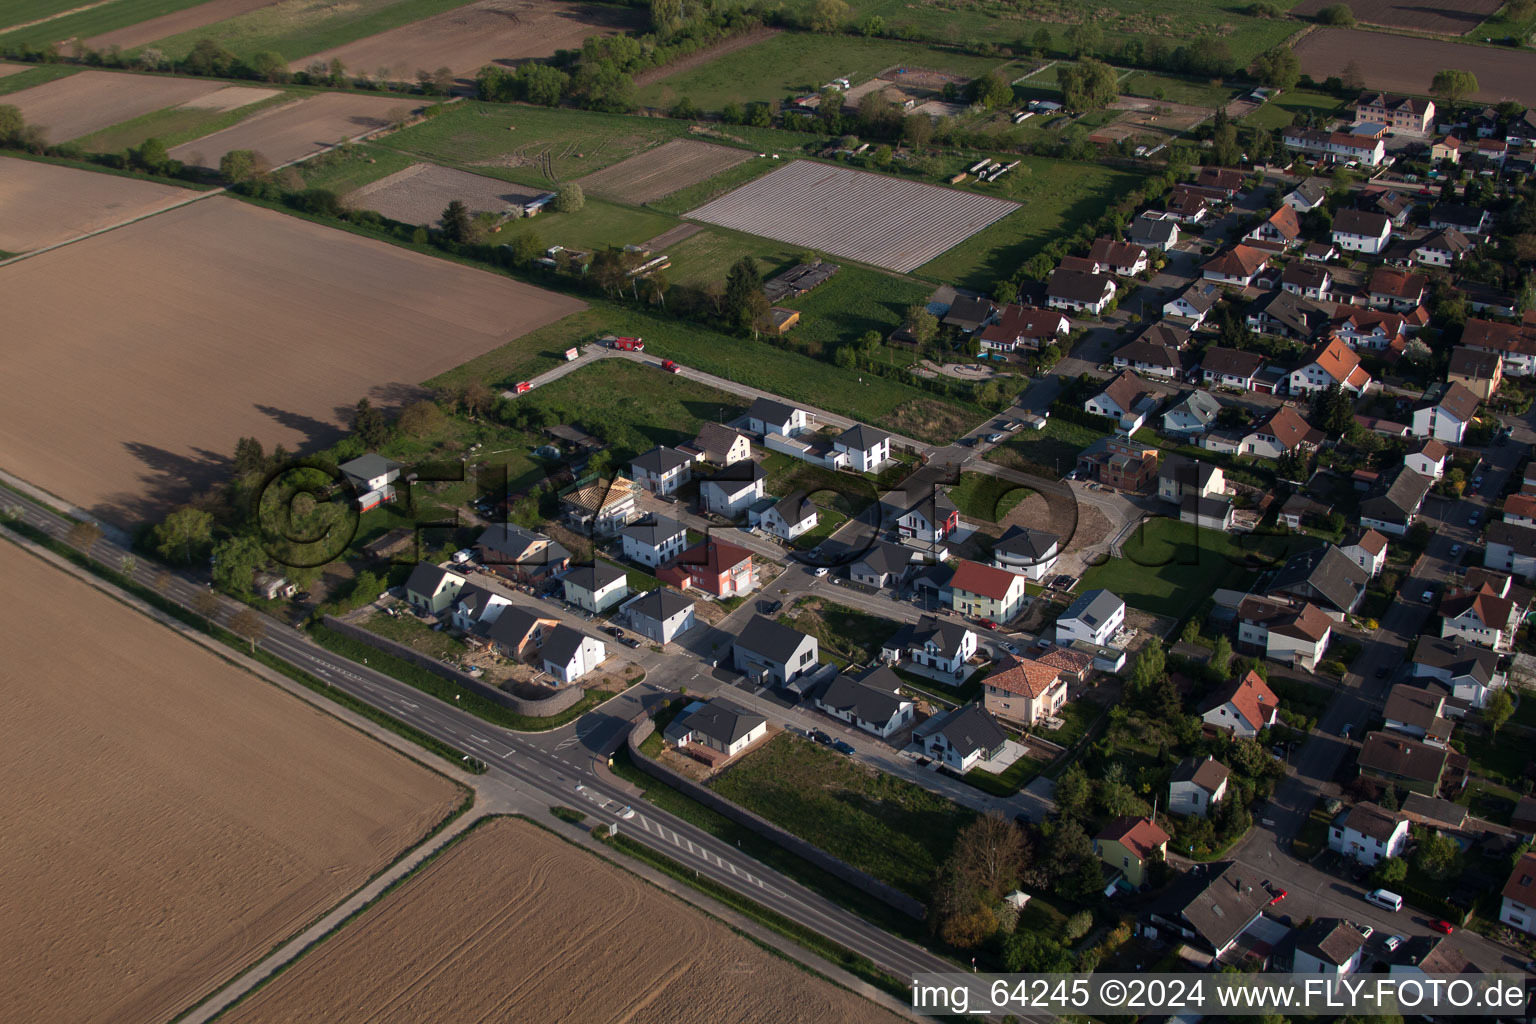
842	747
629	641
821	737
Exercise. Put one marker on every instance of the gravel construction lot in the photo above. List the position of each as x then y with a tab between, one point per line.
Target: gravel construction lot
44	204
420	193
175	23
1449	19
128	395
296	130
661	171
168	817
899	225
514	924
1408	64
466	39
92	100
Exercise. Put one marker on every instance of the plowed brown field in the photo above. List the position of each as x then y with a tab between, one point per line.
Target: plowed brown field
1451	18
661	171
514	924
168	817
89	101
294	130
1408	64
43	204
123	394
466	39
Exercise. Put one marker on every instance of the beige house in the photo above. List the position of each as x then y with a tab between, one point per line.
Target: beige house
985	592
1024	691
1128	844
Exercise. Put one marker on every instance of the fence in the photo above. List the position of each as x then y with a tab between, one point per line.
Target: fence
642	730
546	707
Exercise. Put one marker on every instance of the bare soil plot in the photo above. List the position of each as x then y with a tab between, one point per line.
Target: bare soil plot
296	130
1449	18
899	225
176	22
89	101
231	98
672	237
220	320
466	39
1408	64
170	818
701	57
420	193
661	171
1150	118
13	69
514	924
44	204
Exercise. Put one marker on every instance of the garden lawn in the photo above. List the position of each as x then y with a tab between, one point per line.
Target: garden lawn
1278	113
706	257
351	167
1052	449
799	62
174	125
983	496
1168	567
597	225
891	829
853	301
298	28
412	632
1010	781
1058	197
847	494
1196	92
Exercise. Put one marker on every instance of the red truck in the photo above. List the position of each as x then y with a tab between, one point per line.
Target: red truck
523	387
628	344
670	366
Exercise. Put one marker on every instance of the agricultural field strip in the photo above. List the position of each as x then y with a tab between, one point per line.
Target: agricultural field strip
1408	64
296	130
43	205
185	20
664	170
420	193
1449	17
91	100
888	222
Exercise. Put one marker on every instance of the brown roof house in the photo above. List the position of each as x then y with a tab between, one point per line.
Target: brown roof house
1243	709
1024	691
1197	786
1396	759
1518	909
1129	845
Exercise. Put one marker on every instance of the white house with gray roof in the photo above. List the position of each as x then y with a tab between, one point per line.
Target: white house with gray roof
1195	414
1470	672
772	652
662	470
596	587
961	738
1030	553
653	541
767	416
867	448
883	564
788	517
1094	617
478	608
431	588
732	490
870	703
718	724
373	476
942	646
660	615
569	654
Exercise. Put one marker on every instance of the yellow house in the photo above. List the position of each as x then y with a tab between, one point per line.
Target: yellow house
983	592
1448	148
1126	844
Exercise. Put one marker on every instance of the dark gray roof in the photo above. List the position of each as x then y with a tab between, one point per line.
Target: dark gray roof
366	467
1313	190
660	604
561	645
1156	230
1202	295
969	729
885	557
770	639
426	578
474	600
869	703
1402	498
513	541
936	576
1025	542
512	626
1207	508
1333	575
719	719
1201	405
655	531
741	471
1235	361
968	312
1150	353
661	459
1372	821
1457	658
795	507
1360	222
946	633
1186	470
1458	215
1077	285
594	577
1294	313
1519	539
861	438
1093	607
770	411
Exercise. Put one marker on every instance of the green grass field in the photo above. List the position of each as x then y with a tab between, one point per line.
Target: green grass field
298	28
596	225
855	300
351	167
174	125
797	62
1057	196
853	635
1053	448
34	76
508	142
1168	567
882	825
1172	89
707	256
1277	113
83	24
986	497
